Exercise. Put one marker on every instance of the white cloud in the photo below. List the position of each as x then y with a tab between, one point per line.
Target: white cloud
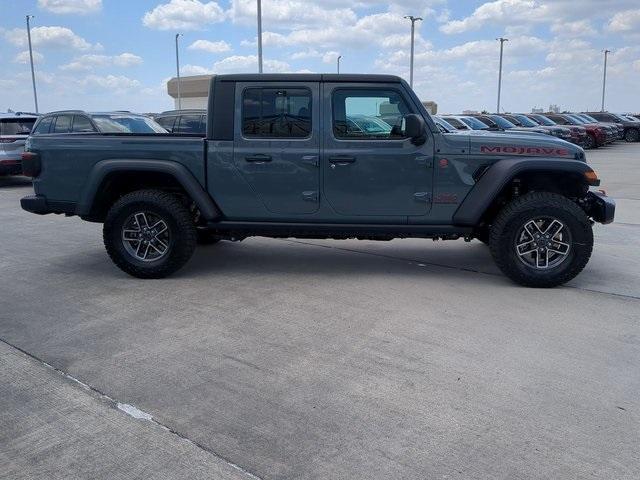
89	62
499	12
23	57
112	83
183	15
577	28
292	14
211	47
249	63
195	70
45	37
626	21
71	6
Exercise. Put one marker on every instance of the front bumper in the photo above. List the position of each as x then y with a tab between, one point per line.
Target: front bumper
600	207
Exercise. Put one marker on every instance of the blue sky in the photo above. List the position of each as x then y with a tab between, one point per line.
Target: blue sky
118	54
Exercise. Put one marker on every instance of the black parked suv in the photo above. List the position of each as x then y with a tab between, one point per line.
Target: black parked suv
192	121
631	129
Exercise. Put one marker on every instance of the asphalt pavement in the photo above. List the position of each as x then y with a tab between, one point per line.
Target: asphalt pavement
318	359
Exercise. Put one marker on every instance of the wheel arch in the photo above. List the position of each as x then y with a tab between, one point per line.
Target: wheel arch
110	179
567	177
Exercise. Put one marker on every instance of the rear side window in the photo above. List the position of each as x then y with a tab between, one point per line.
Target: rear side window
189	124
276	112
16	126
62	124
82	124
167	122
43	126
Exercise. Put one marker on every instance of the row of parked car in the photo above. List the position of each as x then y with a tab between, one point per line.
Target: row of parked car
587	129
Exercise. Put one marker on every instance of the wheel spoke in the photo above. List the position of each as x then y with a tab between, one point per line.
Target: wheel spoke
141	220
146	251
554	228
160	227
542	258
130	235
532	228
559	248
525	247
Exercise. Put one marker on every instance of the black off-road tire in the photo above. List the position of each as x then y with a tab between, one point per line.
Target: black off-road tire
632	135
206	237
182	231
533	205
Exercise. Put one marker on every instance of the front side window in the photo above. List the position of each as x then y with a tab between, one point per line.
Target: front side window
63	124
82	124
375	114
276	113
167	122
43	126
189	124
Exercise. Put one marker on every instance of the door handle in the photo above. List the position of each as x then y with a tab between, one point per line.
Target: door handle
258	158
341	160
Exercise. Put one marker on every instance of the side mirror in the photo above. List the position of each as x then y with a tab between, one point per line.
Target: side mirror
414	128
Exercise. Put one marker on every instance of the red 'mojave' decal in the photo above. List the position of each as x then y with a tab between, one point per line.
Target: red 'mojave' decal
544	151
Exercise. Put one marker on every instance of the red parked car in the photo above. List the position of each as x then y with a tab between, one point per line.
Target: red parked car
596	134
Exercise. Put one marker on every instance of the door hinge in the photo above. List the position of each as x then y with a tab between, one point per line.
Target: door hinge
422	197
310	196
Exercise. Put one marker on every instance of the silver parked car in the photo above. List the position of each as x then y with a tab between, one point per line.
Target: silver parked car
14	130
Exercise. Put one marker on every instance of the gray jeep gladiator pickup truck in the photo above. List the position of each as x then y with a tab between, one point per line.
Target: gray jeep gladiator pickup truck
282	158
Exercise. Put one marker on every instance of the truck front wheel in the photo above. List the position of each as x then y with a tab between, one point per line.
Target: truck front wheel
149	234
541	239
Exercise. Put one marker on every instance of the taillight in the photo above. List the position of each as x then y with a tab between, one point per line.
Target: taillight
30	164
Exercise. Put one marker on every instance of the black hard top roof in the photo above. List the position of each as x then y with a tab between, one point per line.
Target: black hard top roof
308	77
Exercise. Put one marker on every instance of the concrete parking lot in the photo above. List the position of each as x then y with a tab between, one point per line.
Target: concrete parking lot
318	359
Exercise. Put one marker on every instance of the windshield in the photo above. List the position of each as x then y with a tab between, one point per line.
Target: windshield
371	125
457	123
16	126
586	118
544	120
581	121
475	123
502	122
526	121
443	123
116	123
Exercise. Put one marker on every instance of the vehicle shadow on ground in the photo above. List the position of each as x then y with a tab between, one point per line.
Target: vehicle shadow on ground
303	257
14	182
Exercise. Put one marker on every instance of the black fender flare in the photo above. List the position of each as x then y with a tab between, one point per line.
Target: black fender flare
498	176
184	177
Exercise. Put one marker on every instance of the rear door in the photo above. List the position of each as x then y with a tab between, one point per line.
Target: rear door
277	144
374	170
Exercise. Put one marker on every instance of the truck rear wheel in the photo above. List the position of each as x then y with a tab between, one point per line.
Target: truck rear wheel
149	234
541	239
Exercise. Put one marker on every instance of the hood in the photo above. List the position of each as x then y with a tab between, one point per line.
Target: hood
516	144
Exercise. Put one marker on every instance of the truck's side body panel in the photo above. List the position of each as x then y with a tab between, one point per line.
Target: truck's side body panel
68	159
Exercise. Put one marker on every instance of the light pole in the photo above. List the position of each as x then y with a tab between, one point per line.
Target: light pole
339	57
413	36
178	35
33	73
502	40
259	36
604	77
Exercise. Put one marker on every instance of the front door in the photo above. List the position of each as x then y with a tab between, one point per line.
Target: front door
277	144
370	167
